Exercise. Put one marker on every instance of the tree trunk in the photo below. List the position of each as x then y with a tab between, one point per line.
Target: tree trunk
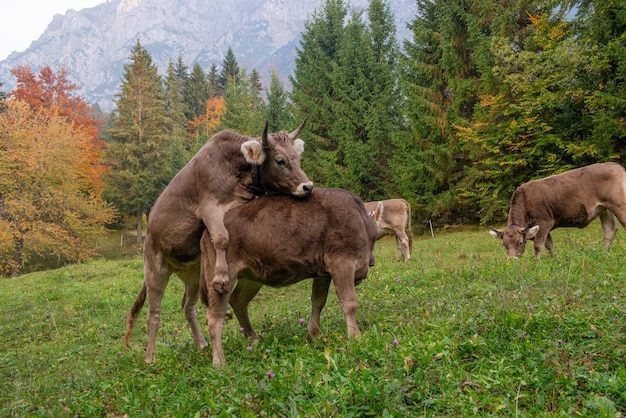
139	225
17	256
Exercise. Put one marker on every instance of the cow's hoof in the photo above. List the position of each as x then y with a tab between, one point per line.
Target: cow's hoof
221	286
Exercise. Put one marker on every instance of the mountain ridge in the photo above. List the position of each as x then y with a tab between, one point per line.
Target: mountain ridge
95	43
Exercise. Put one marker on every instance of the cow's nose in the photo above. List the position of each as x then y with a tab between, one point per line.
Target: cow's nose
304	189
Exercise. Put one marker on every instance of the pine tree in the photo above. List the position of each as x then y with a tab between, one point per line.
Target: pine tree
138	153
278	114
176	110
230	71
213	79
196	92
311	82
245	110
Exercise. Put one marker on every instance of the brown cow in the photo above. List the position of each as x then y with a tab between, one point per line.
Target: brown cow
571	199
229	169
278	241
394	219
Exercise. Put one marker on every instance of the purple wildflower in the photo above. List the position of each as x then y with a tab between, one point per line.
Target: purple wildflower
271	374
395	343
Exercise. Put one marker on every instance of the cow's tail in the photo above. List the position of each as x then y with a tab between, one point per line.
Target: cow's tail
132	315
204	290
410	233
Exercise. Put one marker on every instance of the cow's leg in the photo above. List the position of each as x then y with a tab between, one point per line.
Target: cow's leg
214	221
402	245
218	304
609	227
191	278
550	244
319	295
343	273
244	292
156	277
539	240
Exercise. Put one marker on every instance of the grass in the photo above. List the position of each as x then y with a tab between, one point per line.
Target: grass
457	331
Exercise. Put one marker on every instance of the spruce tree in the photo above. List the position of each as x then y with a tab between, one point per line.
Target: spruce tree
230	71
138	151
196	92
312	92
278	114
177	121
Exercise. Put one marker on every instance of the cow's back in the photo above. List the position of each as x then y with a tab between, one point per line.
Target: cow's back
284	239
174	225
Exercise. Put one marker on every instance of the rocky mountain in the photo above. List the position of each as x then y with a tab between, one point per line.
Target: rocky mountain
95	43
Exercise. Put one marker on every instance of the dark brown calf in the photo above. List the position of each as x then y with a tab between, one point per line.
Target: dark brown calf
278	241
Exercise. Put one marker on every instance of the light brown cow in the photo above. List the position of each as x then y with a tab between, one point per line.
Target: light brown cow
278	241
571	199
394	219
229	169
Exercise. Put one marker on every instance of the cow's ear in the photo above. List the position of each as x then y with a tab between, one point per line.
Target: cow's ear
298	144
377	214
253	152
496	233
532	232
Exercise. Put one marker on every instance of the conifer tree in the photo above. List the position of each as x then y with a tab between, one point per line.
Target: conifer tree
230	71
196	92
278	114
176	109
138	152
245	110
311	82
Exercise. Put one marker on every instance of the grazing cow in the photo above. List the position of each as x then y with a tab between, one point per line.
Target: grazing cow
571	199
229	169
278	241
394	219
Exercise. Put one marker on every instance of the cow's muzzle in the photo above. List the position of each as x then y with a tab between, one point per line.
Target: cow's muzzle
304	189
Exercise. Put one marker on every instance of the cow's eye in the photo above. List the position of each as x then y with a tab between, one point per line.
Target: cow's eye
280	162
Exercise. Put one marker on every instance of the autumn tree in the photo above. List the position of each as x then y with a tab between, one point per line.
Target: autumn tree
3	97
53	92
138	152
48	204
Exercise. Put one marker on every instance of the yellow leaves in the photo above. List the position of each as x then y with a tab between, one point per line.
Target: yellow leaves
48	197
548	33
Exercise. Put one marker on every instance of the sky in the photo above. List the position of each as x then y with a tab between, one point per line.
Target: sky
24	21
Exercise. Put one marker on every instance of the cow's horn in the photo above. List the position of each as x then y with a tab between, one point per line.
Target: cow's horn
264	140
295	133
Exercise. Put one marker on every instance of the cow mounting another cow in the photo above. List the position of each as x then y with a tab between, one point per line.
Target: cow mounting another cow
278	241
230	169
394	218
570	199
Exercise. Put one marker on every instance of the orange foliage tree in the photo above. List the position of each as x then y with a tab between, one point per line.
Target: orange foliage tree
48	203
207	124
53	92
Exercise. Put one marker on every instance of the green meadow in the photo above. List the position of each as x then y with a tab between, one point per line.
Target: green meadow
457	331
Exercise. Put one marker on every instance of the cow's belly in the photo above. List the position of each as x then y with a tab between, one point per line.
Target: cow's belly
579	217
272	276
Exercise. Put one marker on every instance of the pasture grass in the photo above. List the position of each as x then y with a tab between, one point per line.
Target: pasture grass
457	331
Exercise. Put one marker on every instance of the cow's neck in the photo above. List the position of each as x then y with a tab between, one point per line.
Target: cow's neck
518	215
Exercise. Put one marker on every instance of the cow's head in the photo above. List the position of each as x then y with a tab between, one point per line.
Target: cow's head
514	238
276	162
